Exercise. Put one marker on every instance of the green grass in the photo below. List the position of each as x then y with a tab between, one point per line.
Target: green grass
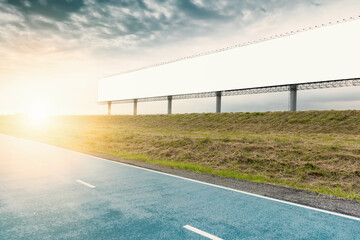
316	150
335	191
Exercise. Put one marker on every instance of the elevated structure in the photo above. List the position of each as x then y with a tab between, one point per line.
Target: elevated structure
285	64
292	88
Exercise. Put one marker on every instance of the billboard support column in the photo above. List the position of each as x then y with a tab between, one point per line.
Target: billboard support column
293	97
169	104
135	106
109	107
218	102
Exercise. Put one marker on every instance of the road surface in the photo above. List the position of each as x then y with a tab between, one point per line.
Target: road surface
47	192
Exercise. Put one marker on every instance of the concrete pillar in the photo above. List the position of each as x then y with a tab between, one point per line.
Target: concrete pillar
135	106
169	104
218	102
109	108
293	97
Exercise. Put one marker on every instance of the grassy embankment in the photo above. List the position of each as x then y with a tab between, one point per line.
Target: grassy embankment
316	150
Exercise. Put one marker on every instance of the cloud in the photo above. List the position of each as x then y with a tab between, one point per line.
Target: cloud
128	24
53	9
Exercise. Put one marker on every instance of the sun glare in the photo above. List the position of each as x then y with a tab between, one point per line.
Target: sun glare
38	116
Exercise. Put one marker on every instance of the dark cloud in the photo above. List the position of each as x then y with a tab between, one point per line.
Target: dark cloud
54	9
198	12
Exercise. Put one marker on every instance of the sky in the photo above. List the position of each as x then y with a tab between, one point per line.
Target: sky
53	52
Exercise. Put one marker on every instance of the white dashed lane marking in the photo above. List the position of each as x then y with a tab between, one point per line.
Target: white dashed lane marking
85	183
202	233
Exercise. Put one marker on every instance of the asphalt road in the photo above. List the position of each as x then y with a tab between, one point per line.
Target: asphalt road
48	192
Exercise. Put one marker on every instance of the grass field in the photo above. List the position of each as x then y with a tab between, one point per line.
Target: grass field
314	150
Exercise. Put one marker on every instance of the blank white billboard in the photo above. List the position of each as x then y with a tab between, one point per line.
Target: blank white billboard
323	54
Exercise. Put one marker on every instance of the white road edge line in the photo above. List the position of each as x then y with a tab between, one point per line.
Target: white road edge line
202	233
85	183
192	180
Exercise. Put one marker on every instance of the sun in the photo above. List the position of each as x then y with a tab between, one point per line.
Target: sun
38	115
